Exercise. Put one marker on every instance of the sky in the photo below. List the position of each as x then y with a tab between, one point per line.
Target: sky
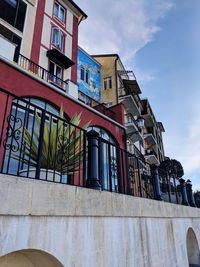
160	41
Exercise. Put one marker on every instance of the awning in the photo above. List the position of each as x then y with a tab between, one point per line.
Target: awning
131	87
60	58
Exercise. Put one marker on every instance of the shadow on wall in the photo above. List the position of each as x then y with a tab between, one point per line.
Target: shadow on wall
192	248
29	258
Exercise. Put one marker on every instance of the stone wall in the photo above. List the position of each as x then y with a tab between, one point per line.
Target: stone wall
70	226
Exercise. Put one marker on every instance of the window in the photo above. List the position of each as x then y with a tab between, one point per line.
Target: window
55	73
12	37
14	12
59	12
107	83
87	76
84	74
57	38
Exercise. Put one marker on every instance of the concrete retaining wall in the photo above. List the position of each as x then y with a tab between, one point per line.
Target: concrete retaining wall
83	228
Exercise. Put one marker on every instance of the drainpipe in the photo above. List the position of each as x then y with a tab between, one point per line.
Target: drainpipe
116	78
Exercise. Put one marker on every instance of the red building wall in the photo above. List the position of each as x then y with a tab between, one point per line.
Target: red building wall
23	85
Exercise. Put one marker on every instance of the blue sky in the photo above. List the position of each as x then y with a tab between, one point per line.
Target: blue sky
160	41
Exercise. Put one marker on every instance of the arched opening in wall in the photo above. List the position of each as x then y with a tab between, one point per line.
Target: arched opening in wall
192	249
108	160
29	258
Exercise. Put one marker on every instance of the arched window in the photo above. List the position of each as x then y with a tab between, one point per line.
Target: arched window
31	122
108	160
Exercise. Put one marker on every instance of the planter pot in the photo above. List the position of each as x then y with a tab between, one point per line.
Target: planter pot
46	175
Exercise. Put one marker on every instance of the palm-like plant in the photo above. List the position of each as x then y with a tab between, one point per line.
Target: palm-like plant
62	144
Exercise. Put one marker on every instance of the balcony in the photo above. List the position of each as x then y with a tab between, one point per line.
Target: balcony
135	151
147	114
150	139
128	91
7	48
132	129
151	157
67	86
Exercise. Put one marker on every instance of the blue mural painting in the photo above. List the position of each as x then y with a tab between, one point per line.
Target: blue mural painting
88	76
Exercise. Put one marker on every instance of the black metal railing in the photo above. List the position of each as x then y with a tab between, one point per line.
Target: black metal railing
42	73
41	144
132	149
37	143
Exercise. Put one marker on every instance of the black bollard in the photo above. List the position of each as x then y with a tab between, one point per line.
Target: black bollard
93	161
183	192
156	182
190	194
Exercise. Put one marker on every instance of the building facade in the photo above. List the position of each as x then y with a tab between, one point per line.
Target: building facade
42	96
88	79
119	85
55	148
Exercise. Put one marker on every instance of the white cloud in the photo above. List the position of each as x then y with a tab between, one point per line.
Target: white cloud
122	27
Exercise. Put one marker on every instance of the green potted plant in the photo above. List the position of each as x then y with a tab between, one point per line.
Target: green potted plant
62	148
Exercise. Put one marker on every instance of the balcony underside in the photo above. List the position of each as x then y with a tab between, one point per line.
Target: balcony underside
149	139
132	132
131	87
148	120
130	105
152	159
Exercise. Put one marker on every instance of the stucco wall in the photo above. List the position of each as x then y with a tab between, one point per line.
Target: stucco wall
82	227
108	70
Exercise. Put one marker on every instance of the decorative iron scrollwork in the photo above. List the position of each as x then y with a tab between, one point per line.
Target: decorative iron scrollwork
13	133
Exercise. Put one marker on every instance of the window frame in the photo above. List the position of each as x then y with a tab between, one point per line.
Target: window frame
60	7
56	79
85	74
61	39
107	83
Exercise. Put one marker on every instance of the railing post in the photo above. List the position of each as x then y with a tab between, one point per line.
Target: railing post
93	161
40	145
183	192
190	193
156	182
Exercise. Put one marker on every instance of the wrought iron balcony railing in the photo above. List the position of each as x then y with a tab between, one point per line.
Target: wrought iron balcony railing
42	73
